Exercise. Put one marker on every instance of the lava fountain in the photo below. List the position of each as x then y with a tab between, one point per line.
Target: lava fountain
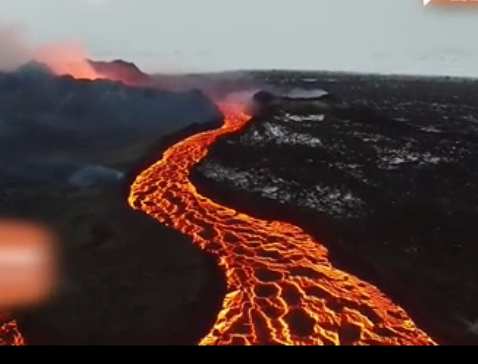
282	289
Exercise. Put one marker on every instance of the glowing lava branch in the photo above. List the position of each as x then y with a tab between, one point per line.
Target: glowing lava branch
282	288
9	334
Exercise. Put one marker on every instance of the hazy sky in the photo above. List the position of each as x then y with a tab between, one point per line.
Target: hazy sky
362	35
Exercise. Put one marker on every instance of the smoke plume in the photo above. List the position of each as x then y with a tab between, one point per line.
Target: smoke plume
62	58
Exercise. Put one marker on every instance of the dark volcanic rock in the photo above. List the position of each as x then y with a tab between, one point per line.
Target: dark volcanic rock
267	103
387	182
126	280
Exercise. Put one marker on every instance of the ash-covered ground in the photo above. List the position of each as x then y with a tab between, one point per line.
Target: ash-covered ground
389	186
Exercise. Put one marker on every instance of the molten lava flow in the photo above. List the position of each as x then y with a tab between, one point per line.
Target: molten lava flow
282	288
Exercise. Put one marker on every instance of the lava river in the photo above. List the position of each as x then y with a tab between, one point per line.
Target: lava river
282	289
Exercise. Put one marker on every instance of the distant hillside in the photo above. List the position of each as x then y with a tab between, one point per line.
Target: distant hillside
126	72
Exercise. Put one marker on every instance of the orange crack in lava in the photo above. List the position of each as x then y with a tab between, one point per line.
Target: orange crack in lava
282	288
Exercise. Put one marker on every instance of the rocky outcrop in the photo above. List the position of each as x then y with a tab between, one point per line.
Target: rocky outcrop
268	103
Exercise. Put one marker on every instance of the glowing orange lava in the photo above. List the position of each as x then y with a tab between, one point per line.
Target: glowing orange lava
282	288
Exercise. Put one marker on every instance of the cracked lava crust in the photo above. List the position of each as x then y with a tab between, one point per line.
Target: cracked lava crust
282	289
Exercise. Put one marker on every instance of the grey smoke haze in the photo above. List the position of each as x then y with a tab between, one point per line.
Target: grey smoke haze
398	36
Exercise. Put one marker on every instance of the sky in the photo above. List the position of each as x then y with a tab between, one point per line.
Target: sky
387	36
